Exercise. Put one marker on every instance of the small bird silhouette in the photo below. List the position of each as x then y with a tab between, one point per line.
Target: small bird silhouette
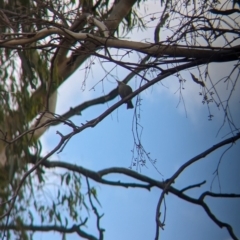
124	90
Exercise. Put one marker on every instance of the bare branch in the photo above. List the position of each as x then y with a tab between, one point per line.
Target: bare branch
193	186
34	228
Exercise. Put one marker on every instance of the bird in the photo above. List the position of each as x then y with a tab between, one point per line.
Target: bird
124	90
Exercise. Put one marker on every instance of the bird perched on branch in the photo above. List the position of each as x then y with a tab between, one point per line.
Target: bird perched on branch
124	90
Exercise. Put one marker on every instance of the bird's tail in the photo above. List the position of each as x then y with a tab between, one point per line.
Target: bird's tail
129	105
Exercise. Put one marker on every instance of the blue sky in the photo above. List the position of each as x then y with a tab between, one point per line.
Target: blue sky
172	136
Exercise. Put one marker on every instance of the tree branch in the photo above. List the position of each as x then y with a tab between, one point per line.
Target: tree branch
156	50
193	186
165	186
187	164
74	229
